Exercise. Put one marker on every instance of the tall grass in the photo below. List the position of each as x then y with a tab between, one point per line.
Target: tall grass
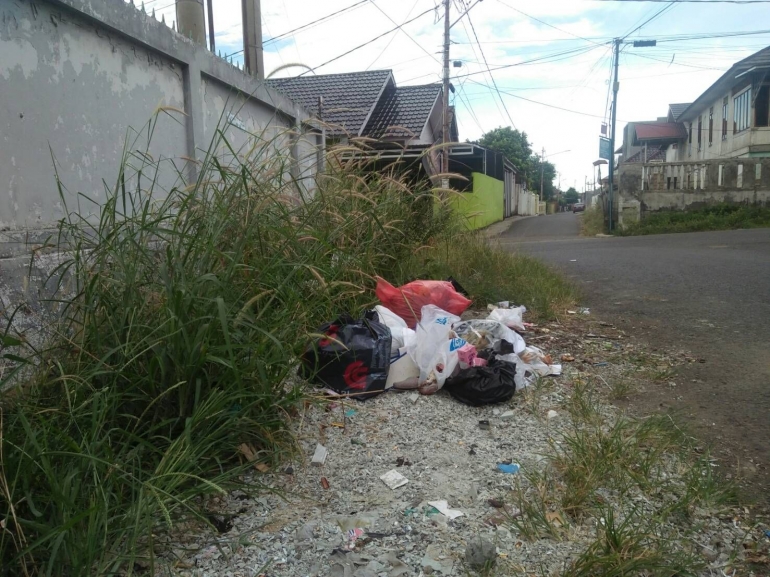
180	338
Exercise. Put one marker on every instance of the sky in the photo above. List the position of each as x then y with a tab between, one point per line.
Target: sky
553	57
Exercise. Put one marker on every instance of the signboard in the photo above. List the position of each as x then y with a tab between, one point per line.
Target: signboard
605	150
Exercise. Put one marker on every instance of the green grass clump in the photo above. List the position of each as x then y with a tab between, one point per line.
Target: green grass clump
718	217
183	312
592	221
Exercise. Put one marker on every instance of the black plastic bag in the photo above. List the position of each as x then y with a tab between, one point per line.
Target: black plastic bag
476	386
353	358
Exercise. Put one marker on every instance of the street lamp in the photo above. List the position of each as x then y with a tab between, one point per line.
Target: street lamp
542	168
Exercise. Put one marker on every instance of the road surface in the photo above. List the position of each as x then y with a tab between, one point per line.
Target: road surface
707	293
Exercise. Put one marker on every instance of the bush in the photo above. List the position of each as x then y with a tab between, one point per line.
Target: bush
718	217
180	342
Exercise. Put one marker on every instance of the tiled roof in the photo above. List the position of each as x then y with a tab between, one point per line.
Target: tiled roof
677	109
348	98
660	131
403	111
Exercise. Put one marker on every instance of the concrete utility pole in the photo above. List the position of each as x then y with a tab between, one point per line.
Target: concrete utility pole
190	20
210	9
252	38
542	171
445	131
615	87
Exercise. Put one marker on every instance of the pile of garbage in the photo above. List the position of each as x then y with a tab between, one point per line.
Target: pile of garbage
416	340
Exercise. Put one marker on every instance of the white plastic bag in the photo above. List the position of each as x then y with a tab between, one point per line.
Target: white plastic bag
511	318
530	363
486	334
401	335
435	349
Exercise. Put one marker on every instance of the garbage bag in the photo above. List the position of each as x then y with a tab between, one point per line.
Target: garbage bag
435	349
488	334
407	301
476	386
511	318
353	356
401	335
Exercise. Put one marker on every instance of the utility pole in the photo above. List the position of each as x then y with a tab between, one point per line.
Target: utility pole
252	38
615	87
542	171
445	131
190	20
210	8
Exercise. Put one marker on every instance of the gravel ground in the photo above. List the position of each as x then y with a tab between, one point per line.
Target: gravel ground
301	528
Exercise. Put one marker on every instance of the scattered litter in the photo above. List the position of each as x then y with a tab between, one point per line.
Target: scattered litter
484	425
414	397
507	415
393	479
325	483
319	457
584	311
350	412
355	441
467	355
351	537
551	415
767	533
567	358
409	300
261	467
289	470
602	364
403	462
443	508
573	260
554	518
571	312
510	469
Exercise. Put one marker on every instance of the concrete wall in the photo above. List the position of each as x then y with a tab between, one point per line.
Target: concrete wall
484	204
81	81
686	186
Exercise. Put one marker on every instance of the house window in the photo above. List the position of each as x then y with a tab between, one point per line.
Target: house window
762	106
724	118
711	125
742	111
700	132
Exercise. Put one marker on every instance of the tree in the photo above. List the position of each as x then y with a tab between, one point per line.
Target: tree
516	147
571	196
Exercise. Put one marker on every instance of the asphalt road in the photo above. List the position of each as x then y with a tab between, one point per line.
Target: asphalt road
707	293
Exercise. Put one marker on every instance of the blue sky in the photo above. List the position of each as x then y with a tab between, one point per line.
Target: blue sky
512	32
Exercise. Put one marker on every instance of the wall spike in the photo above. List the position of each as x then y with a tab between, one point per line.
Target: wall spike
153	12
143	9
163	18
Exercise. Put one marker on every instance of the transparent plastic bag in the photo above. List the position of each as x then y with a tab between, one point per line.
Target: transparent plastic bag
511	318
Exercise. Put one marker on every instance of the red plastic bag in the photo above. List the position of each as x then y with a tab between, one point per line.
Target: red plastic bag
407	301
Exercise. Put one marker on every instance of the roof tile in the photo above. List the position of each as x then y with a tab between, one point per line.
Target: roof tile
403	111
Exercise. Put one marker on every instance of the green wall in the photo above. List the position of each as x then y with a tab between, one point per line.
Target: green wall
484	205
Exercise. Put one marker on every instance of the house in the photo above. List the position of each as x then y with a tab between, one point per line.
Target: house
369	104
730	119
400	125
713	150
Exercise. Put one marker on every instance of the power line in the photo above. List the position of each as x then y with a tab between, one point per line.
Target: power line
651	18
420	46
556	56
546	23
398	27
477	61
671	61
491	76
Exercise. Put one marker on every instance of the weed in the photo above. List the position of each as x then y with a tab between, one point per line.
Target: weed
592	222
632	546
718	217
536	518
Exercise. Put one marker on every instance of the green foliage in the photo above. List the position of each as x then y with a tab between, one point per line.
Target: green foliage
718	217
571	196
592	222
516	147
179	341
